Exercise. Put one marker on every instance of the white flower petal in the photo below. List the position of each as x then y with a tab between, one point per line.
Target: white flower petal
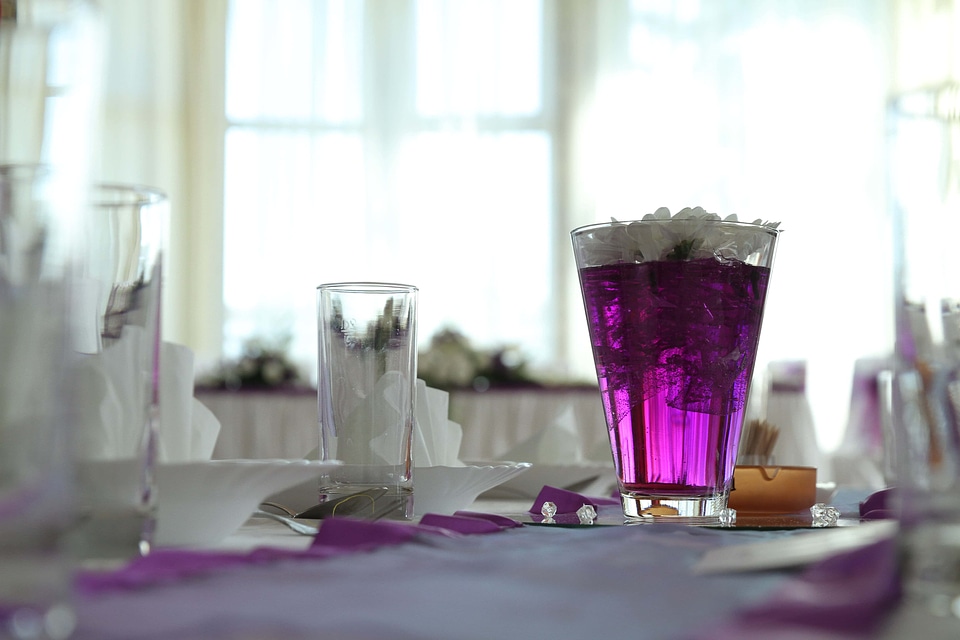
696	232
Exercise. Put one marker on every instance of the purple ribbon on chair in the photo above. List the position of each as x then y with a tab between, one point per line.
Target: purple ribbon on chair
879	505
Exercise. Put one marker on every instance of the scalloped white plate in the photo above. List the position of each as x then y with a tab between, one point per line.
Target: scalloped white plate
435	489
826	492
200	503
576	477
447	489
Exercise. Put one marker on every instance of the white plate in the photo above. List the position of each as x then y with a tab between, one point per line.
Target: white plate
826	492
200	503
597	476
448	489
435	489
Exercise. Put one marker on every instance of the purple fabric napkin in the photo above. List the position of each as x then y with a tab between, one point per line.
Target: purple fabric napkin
460	524
849	593
566	501
501	521
352	533
171	565
336	536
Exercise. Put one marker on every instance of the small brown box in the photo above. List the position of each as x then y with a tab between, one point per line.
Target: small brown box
773	489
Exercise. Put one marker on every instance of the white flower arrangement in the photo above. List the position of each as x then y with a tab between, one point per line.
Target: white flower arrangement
690	234
262	365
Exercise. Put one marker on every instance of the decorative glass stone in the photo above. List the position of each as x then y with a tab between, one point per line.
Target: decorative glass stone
587	514
824	515
548	510
728	517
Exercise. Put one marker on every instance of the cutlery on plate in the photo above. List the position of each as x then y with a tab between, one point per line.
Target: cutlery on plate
295	525
371	504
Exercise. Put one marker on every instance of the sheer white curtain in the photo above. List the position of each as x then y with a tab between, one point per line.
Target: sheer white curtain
455	143
162	125
389	141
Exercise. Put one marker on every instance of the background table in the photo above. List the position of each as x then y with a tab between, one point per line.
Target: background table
283	423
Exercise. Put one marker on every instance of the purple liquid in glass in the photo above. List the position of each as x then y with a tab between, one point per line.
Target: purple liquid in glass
674	344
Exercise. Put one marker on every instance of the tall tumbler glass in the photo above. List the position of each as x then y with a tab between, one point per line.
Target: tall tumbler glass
924	130
36	495
50	66
117	333
367	389
674	308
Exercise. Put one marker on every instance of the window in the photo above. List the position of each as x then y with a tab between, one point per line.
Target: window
453	144
390	141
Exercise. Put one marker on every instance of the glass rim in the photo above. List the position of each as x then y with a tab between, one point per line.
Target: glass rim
14	171
116	194
367	287
9	167
773	231
102	194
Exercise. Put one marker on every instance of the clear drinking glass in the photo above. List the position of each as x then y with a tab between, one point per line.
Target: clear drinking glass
674	308
117	333
50	66
367	389
925	385
36	496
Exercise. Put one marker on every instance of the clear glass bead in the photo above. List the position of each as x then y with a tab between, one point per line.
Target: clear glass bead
548	510
824	515
728	517
587	514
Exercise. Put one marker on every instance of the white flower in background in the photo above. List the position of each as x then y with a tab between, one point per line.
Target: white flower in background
262	365
450	361
688	235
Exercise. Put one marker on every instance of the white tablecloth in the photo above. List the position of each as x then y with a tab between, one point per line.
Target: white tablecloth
283	424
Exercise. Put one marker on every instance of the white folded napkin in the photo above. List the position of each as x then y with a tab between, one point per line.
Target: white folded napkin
559	443
188	429
436	441
373	440
110	399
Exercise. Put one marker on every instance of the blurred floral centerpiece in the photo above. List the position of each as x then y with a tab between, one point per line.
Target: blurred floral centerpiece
451	362
262	365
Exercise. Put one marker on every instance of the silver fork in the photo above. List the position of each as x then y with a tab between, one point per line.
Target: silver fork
295	525
371	504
